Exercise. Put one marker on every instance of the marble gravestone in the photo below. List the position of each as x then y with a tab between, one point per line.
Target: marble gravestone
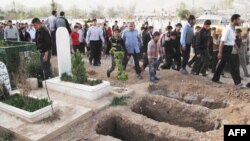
63	50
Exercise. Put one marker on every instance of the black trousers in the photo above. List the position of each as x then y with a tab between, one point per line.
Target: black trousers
46	66
76	47
231	60
214	60
145	61
136	61
53	38
82	47
95	51
202	63
186	56
177	59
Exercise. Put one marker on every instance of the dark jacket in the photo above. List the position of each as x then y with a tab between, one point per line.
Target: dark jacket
118	44
177	44
238	41
202	40
43	40
146	40
24	37
169	47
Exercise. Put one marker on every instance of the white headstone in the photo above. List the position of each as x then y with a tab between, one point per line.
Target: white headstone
63	50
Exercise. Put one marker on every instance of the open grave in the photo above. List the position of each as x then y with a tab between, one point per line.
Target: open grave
139	128
188	98
164	109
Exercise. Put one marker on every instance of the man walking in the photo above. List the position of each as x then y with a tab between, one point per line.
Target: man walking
225	52
132	43
147	38
51	23
186	41
43	42
95	40
202	47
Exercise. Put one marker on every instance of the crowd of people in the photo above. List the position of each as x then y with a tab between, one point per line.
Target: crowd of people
215	51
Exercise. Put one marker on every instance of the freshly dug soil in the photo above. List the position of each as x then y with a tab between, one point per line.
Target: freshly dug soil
164	109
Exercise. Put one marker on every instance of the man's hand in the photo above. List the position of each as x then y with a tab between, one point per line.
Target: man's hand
219	55
198	55
45	57
183	48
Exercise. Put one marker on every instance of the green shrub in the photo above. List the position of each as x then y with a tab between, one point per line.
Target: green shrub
94	82
78	69
66	77
34	67
79	74
119	101
122	74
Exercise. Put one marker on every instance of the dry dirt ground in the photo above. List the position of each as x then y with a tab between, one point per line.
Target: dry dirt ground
177	108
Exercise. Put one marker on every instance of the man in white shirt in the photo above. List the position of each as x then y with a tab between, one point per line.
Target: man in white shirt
32	31
11	33
95	40
225	51
51	24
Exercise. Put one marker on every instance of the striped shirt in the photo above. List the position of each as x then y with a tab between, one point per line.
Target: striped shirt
154	49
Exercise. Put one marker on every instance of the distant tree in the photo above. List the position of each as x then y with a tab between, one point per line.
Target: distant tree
129	13
183	12
112	12
214	9
228	4
97	13
53	5
74	11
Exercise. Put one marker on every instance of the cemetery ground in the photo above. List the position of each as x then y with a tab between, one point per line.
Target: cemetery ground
178	107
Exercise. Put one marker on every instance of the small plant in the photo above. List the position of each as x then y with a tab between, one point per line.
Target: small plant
119	101
94	82
5	136
66	77
122	74
79	74
78	69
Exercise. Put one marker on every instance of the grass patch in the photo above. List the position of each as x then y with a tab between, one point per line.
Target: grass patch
26	103
120	101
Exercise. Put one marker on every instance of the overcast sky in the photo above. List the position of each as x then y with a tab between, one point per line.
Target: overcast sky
90	4
140	4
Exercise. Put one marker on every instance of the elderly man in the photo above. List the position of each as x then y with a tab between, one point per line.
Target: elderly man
132	44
